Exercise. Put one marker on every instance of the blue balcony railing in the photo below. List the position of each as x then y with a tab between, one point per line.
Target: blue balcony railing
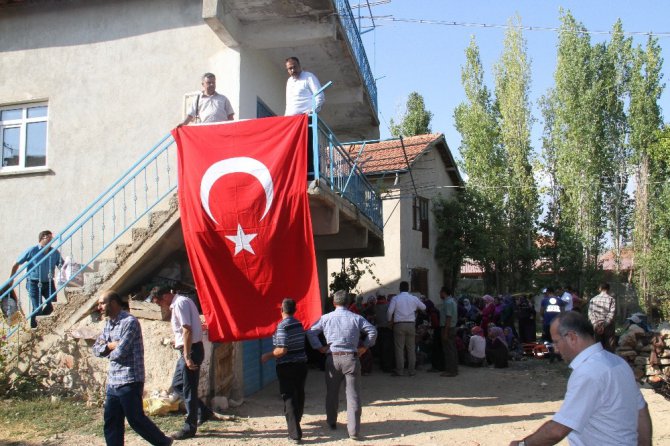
357	48
335	167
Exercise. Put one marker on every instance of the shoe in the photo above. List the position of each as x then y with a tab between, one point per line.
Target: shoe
355	437
332	426
431	370
205	418
182	435
412	373
295	440
394	373
170	441
450	375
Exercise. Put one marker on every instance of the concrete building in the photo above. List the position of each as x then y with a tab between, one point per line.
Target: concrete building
411	175
88	87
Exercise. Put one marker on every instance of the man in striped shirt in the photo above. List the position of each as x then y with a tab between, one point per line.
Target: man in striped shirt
289	351
121	342
602	309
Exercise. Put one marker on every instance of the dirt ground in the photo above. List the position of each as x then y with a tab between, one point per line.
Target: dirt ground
478	407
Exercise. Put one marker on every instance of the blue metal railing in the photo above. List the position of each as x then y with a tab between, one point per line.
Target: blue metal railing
334	166
357	48
132	196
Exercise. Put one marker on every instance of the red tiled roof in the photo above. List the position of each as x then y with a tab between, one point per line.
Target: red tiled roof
388	156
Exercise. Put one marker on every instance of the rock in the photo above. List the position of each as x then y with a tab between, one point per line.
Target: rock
652	371
646	348
85	333
665	361
640	360
627	354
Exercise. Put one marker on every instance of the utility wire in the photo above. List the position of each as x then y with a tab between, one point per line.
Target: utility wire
390	18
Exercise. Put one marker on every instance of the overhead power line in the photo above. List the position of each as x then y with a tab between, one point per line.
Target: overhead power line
390	18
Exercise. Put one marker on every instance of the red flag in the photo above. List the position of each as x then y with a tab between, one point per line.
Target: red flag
246	223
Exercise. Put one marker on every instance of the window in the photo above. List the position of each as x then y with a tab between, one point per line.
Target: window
23	133
419	280
420	219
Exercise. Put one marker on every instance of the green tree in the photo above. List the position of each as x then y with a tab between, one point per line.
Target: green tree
615	76
415	120
485	164
451	227
512	82
650	238
576	151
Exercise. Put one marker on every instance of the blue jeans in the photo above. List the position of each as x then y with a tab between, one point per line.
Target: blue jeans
126	401
39	291
185	384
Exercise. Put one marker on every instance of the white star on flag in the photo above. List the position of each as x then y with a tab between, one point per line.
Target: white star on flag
242	241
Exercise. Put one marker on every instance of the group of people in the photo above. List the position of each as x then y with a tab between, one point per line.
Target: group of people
121	342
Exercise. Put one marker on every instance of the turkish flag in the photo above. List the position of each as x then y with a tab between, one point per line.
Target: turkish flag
246	223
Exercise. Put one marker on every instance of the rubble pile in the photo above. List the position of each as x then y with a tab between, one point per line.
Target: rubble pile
647	353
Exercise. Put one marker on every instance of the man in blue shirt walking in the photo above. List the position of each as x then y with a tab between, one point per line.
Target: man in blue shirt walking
121	342
40	281
342	330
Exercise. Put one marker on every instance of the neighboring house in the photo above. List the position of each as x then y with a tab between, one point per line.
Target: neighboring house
411	174
88	87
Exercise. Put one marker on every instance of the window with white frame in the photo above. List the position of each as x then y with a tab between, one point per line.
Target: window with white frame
23	135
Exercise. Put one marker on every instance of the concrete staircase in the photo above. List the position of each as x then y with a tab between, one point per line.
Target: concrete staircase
47	352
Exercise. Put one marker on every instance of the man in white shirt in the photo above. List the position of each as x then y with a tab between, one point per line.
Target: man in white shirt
187	329
566	296
300	89
603	404
209	106
402	311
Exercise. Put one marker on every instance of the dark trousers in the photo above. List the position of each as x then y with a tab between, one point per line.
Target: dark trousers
386	349
39	292
345	368
292	377
126	402
437	355
185	384
450	352
527	330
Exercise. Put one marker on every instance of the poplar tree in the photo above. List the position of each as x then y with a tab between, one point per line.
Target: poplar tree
484	162
415	120
577	153
650	239
512	82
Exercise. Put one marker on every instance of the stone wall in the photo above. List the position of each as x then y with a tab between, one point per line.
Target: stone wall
648	354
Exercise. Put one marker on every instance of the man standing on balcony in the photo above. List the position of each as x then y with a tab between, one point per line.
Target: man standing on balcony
121	343
40	281
187	330
301	87
209	106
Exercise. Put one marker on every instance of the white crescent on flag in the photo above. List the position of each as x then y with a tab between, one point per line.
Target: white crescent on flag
236	165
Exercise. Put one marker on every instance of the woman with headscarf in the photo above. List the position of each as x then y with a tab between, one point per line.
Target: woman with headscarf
472	313
476	348
527	328
487	312
497	351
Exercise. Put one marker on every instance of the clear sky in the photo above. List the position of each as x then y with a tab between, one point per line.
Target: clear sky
427	58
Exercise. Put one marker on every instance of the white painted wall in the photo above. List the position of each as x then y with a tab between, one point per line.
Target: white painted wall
114	75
